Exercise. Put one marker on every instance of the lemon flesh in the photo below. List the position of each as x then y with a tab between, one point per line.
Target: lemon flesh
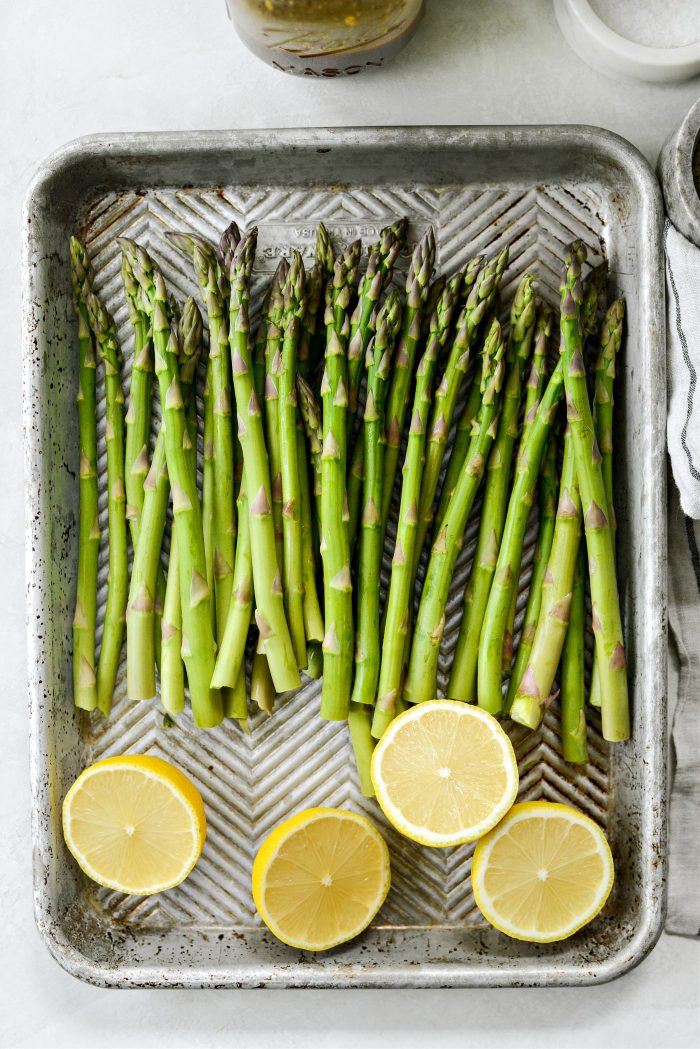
544	872
320	878
444	773
134	823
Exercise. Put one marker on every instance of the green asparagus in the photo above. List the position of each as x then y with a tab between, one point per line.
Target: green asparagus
534	388
505	580
273	349
293	573
311	416
607	625
549	488
138	416
400	596
84	619
335	549
379	357
230	659
198	644
421	681
417	285
462	684
172	679
535	687
611	337
267	579
105	333
573	695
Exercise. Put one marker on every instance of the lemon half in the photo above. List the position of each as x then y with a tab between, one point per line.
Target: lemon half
320	877
444	773
134	823
544	872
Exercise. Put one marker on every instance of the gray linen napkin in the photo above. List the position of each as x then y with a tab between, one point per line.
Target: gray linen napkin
684	712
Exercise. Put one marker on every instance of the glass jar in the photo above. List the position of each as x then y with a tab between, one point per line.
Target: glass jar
325	38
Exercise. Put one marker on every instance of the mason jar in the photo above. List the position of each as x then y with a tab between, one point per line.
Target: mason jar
325	38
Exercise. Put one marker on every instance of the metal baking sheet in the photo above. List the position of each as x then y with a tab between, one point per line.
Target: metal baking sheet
534	188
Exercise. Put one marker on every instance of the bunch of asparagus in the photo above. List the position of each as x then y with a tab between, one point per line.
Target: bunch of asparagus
285	539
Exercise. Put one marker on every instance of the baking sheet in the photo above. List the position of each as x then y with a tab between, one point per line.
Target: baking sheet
533	188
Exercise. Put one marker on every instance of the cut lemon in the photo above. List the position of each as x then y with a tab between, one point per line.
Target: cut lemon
543	872
320	878
134	823
444	773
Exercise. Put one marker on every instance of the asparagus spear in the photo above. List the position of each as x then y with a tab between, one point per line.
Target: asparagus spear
398	608
359	721
105	333
417	285
313	616
391	241
573	695
172	673
439	326
230	659
273	348
534	388
313	428
362	326
293	575
314	291
142	635
421	681
260	341
225	250
262	687
610	340
462	684
219	376
235	699
84	619
356	480
325	260
607	625
140	612
435	290
198	643
378	370
138	416
218	461
461	446
324	255
335	549
483	284
267	580
380	268
172	678
535	687
208	491
505	579
549	487
445	400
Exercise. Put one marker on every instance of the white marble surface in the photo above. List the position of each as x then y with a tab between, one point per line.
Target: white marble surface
74	67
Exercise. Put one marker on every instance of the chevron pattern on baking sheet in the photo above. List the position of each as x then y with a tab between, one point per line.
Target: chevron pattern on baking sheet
250	782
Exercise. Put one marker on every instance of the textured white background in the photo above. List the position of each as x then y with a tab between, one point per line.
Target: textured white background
71	67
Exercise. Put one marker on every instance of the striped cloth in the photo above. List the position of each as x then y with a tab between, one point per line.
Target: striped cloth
683	430
684	714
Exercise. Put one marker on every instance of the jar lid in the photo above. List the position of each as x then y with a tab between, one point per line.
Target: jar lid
677	169
609	52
